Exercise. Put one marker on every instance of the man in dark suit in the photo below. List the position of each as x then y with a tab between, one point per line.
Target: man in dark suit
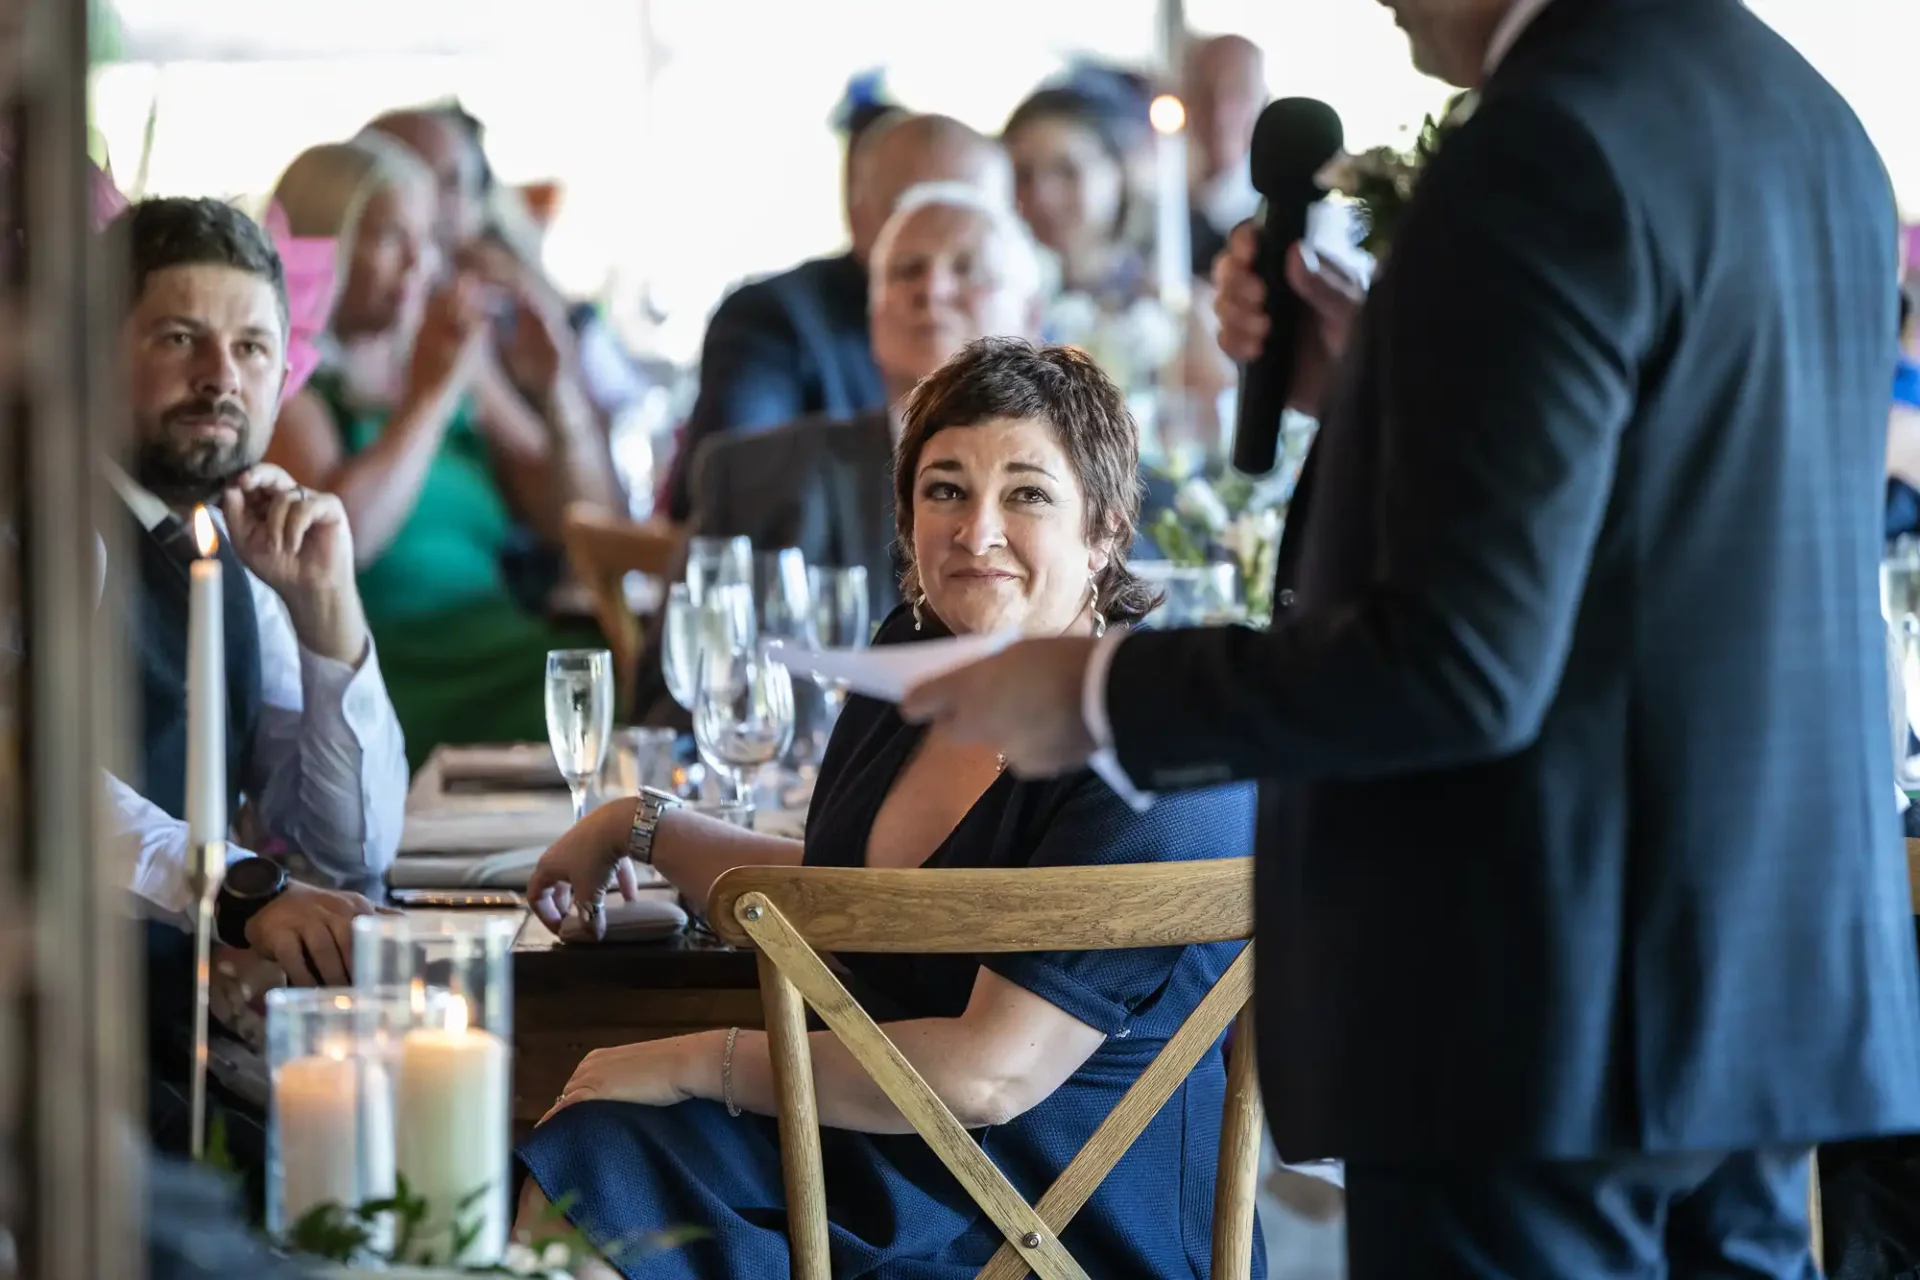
795	344
951	265
1583	910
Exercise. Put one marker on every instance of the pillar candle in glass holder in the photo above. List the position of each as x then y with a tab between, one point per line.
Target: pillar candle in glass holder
1173	239
315	1101
206	692
450	1126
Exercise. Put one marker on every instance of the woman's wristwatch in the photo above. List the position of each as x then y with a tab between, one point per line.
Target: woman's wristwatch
650	806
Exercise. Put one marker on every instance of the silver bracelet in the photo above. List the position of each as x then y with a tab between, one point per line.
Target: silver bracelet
726	1072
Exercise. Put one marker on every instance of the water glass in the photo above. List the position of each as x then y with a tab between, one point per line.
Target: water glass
1900	605
743	714
722	562
641	757
579	717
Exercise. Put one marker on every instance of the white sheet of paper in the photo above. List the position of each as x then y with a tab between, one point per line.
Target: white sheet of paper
887	673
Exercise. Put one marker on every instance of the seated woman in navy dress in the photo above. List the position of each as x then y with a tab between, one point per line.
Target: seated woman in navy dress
1016	488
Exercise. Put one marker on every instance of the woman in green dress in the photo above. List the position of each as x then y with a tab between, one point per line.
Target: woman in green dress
406	421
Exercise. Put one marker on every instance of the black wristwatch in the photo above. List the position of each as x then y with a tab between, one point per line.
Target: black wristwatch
250	884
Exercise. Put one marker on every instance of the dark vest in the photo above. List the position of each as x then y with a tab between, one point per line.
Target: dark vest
156	599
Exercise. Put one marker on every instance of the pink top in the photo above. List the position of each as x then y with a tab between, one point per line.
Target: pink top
309	266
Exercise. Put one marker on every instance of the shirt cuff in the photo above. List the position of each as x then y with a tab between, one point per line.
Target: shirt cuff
348	695
1105	762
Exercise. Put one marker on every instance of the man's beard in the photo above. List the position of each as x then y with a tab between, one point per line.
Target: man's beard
180	470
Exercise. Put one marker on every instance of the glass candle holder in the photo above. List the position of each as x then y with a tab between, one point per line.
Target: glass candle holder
452	1073
330	1135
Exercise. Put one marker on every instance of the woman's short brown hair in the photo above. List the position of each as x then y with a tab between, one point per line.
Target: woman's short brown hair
994	378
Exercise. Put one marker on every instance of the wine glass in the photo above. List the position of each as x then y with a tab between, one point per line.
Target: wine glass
743	714
579	716
689	624
783	596
841	618
719	562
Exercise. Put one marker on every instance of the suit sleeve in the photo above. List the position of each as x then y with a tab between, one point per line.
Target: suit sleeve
1503	360
749	379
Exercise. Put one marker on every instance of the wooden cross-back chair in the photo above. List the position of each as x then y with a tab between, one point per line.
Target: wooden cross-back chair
604	547
793	914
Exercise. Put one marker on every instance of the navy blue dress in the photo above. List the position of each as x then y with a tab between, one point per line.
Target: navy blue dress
894	1210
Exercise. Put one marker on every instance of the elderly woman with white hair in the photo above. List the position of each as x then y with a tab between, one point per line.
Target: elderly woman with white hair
950	265
435	490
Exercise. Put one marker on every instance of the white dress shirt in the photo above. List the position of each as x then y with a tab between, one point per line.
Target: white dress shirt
328	750
1093	689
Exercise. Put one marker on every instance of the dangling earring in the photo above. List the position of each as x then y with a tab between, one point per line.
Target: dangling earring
1093	604
919	623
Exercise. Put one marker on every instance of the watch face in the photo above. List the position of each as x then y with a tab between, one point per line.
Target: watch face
254	878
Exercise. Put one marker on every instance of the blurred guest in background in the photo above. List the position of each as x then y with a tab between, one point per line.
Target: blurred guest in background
951	265
796	344
1071	146
432	486
864	107
1224	88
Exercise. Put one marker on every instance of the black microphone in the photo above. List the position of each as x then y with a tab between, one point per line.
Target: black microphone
1293	141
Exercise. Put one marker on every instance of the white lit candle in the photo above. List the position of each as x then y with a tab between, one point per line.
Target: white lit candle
315	1118
451	1134
1173	239
206	693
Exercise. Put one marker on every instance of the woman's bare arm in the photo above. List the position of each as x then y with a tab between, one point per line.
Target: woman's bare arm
1003	1056
380	485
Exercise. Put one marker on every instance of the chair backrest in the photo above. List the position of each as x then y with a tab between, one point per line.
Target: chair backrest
603	549
790	914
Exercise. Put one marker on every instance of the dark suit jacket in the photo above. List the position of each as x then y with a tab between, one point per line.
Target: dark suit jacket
823	485
777	350
1576	832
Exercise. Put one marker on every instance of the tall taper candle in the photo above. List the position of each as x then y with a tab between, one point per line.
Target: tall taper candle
206	693
1173	239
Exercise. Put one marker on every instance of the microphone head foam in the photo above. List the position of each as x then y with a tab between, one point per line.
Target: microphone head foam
1293	140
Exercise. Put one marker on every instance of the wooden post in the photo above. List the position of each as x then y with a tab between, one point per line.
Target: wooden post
1238	1178
799	1123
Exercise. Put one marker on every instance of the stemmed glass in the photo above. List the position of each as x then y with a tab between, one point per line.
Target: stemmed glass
840	618
690	624
718	562
783	596
743	713
579	717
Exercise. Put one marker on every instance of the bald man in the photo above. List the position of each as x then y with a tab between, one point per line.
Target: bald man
1225	88
796	345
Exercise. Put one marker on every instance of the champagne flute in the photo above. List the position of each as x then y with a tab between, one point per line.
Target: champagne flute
743	714
718	562
579	717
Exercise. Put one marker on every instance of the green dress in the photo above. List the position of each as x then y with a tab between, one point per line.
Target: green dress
462	661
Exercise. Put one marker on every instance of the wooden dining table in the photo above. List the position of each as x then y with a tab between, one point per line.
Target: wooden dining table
469	808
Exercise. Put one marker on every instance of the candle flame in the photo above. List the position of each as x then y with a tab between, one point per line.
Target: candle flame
203	534
1167	115
457	1013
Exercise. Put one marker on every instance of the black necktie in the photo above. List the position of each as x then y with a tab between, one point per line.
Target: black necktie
177	540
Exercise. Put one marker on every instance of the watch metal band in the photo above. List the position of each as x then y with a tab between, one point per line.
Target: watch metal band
652	803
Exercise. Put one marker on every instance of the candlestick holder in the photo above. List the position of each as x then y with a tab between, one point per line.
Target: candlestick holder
208	867
452	1074
332	1052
